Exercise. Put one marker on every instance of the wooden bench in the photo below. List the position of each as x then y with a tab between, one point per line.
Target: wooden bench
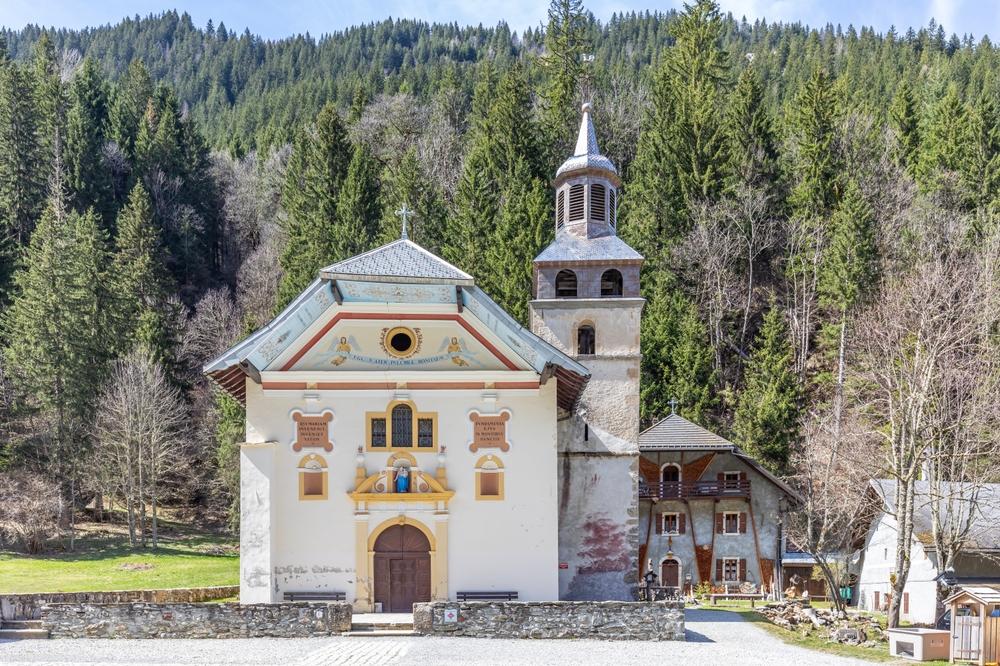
314	596
486	596
752	597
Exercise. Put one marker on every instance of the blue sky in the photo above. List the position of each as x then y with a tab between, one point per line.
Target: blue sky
279	18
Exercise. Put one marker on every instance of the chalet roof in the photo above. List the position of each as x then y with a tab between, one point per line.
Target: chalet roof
678	434
400	259
586	155
984	594
570	247
416	275
980	502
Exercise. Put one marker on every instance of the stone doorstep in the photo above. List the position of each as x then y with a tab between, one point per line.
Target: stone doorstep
23	634
380	632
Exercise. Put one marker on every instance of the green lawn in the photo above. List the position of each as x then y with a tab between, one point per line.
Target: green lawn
185	558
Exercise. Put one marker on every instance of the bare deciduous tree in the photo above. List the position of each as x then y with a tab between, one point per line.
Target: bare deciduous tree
29	512
924	363
140	425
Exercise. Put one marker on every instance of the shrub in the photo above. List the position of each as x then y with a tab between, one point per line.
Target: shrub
29	512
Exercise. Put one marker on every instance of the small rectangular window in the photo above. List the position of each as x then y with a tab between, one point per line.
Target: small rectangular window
576	201
671	523
425	433
312	484
731	523
731	570
378	432
489	484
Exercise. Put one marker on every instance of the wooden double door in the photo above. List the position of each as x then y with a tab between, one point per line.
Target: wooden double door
402	569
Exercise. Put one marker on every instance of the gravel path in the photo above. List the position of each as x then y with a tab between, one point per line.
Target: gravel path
713	637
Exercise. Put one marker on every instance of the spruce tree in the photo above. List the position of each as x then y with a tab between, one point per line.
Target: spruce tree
566	44
677	360
766	422
942	148
904	119
980	165
813	125
312	188
515	240
358	209
49	96
86	175
142	283
22	162
131	98
752	152
407	183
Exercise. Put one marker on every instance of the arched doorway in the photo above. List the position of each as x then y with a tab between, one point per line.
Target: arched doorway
670	573
402	568
670	477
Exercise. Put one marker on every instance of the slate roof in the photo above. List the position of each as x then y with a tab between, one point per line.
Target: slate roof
570	247
399	259
676	433
984	503
587	154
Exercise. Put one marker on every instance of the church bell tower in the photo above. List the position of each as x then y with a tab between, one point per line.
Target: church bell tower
587	303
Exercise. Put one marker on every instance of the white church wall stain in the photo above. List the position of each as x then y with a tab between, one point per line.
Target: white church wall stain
311	545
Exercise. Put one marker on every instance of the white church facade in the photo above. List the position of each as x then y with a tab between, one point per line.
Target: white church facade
407	440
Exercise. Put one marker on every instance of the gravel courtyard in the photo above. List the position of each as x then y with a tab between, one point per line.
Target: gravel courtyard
713	637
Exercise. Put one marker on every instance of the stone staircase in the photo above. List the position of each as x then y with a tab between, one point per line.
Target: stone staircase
22	630
372	625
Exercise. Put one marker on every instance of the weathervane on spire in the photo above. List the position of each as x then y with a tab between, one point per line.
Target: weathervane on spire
404	213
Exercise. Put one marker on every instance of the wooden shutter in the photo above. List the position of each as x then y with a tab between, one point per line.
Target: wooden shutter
743	476
743	522
576	202
906	602
597	202
877	606
659	523
312	483
489	484
681	523
743	569
719	523
721	476
718	571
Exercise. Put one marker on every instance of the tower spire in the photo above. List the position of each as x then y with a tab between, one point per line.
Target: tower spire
586	140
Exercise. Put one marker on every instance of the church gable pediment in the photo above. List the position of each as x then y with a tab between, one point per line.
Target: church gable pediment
359	341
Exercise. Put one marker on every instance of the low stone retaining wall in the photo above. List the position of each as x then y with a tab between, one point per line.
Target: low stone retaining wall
179	620
608	620
28	606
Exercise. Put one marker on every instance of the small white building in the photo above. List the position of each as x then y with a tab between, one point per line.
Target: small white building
407	440
977	564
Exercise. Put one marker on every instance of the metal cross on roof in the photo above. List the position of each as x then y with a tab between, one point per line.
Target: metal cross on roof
673	405
404	213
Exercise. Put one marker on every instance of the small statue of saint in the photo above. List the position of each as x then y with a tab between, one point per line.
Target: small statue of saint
403	480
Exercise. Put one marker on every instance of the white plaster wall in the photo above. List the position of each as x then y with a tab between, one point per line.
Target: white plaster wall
508	545
880	561
256	518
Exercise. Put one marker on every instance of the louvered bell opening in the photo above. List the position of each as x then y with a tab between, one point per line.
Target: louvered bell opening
561	209
597	211
613	208
576	202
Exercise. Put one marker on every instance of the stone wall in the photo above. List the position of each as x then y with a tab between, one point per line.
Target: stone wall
180	620
607	620
28	606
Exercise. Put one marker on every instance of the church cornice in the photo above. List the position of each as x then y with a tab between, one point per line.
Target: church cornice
584	303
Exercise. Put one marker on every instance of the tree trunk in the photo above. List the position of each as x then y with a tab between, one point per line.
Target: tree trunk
130	510
155	526
831	585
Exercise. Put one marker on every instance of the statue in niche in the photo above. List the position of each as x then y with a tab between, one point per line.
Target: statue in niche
403	480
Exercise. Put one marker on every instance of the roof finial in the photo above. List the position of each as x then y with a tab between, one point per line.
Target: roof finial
404	213
586	140
673	406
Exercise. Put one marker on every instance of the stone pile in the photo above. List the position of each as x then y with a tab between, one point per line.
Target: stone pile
848	628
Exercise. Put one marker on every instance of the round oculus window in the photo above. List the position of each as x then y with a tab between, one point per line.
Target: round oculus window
400	342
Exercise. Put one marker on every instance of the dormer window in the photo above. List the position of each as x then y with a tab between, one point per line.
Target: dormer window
566	284
597	203
611	283
576	201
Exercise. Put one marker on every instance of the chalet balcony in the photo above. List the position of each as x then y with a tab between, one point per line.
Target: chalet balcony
693	489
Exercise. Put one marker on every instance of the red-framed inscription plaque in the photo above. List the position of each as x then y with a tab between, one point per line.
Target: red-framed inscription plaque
312	431
489	431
